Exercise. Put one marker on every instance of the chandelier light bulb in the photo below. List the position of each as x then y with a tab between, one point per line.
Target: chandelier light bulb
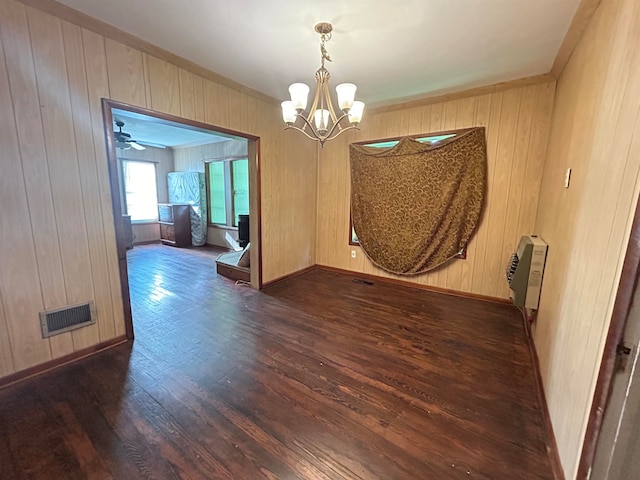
355	114
299	93
346	95
288	112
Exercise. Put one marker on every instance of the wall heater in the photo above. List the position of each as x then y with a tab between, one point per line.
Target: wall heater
524	273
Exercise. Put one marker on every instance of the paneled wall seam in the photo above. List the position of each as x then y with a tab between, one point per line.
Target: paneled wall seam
83	193
507	243
546	150
45	149
104	256
104	193
28	203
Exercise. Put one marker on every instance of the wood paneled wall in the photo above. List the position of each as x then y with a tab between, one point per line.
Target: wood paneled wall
145	232
517	124
192	159
57	238
595	132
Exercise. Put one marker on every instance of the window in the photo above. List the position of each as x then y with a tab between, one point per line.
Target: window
141	195
227	190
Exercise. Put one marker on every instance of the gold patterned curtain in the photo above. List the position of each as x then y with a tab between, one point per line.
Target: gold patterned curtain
415	206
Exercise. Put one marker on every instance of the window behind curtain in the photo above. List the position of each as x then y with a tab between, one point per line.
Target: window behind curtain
228	184
140	189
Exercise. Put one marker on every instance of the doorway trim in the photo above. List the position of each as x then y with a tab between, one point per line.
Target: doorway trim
114	184
621	310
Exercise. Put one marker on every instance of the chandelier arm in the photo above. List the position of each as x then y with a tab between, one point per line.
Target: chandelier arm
303	131
314	106
332	112
336	124
340	132
307	123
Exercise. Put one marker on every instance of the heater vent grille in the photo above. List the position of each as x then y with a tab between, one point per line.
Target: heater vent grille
64	319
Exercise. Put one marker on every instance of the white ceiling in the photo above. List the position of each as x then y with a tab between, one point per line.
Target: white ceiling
156	132
393	50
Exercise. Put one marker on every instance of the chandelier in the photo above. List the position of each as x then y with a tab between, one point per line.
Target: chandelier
322	123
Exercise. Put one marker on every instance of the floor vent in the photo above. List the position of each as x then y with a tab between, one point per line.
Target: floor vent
64	319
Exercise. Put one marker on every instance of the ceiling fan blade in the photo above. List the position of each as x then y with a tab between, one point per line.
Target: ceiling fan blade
137	146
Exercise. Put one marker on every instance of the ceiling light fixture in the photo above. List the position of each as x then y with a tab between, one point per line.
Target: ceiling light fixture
124	140
322	123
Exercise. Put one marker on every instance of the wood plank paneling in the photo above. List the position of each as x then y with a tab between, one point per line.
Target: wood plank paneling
64	175
6	354
28	123
495	259
164	82
88	172
515	156
145	232
537	148
187	94
81	111
216	104
594	129
198	94
126	73
460	273
8	136
486	106
192	159
20	289
236	115
98	88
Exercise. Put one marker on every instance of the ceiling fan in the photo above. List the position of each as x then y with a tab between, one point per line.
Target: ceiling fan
124	140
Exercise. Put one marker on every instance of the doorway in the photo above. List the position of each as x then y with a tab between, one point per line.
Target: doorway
118	138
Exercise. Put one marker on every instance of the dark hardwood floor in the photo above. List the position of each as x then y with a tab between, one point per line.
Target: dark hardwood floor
317	377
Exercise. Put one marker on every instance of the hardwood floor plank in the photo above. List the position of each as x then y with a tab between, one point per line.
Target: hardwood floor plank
316	377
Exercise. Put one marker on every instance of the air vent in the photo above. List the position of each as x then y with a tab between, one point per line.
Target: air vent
64	319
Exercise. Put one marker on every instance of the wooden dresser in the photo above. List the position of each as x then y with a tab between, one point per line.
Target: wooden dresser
175	224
